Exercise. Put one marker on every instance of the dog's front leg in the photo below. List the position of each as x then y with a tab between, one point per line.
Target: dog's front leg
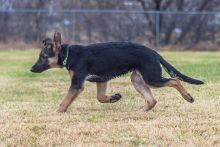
68	99
75	89
101	94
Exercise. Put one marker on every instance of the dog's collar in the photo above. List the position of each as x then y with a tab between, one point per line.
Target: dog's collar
66	57
63	56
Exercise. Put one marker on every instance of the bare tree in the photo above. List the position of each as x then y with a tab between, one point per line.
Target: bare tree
86	27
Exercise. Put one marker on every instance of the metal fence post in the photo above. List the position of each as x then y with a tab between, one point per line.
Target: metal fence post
157	30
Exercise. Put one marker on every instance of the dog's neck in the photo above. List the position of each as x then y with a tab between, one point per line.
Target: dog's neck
63	54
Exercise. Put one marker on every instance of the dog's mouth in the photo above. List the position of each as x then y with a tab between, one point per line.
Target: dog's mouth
35	69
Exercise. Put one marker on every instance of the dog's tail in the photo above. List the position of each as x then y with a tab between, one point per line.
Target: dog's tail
175	73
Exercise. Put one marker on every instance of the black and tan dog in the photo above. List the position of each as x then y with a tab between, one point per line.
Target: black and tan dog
102	62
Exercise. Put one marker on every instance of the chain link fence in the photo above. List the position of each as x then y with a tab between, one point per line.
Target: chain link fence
190	30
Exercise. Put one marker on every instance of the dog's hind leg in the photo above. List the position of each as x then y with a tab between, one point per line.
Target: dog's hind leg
153	77
144	90
101	94
172	82
175	83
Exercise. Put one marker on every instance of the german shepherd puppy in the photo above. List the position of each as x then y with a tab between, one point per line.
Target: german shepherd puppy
102	62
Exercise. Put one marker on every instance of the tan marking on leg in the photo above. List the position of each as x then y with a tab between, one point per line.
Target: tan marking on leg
101	92
175	83
68	99
71	73
53	62
144	90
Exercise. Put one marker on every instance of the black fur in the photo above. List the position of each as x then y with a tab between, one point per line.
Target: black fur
104	61
175	73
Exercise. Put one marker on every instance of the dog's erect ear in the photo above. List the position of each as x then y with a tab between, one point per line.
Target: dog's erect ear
47	42
57	41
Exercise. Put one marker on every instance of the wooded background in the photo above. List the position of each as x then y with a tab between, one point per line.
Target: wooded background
160	23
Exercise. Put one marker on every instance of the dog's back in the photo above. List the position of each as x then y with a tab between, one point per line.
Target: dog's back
109	58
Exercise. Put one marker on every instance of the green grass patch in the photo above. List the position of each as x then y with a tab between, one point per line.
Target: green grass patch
18	83
29	102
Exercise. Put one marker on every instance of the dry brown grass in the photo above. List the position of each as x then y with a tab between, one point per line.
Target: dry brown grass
28	112
173	122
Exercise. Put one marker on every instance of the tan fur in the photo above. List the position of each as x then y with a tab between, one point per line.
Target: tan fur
71	73
53	62
175	83
57	42
144	90
71	95
101	93
68	99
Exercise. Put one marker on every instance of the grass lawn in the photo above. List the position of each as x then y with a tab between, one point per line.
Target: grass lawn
29	102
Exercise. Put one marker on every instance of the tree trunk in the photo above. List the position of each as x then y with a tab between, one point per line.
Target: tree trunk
191	23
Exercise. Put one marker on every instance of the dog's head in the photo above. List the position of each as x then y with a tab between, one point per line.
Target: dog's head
48	57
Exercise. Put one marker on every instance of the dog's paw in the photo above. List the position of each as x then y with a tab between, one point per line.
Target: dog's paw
190	98
61	110
115	98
